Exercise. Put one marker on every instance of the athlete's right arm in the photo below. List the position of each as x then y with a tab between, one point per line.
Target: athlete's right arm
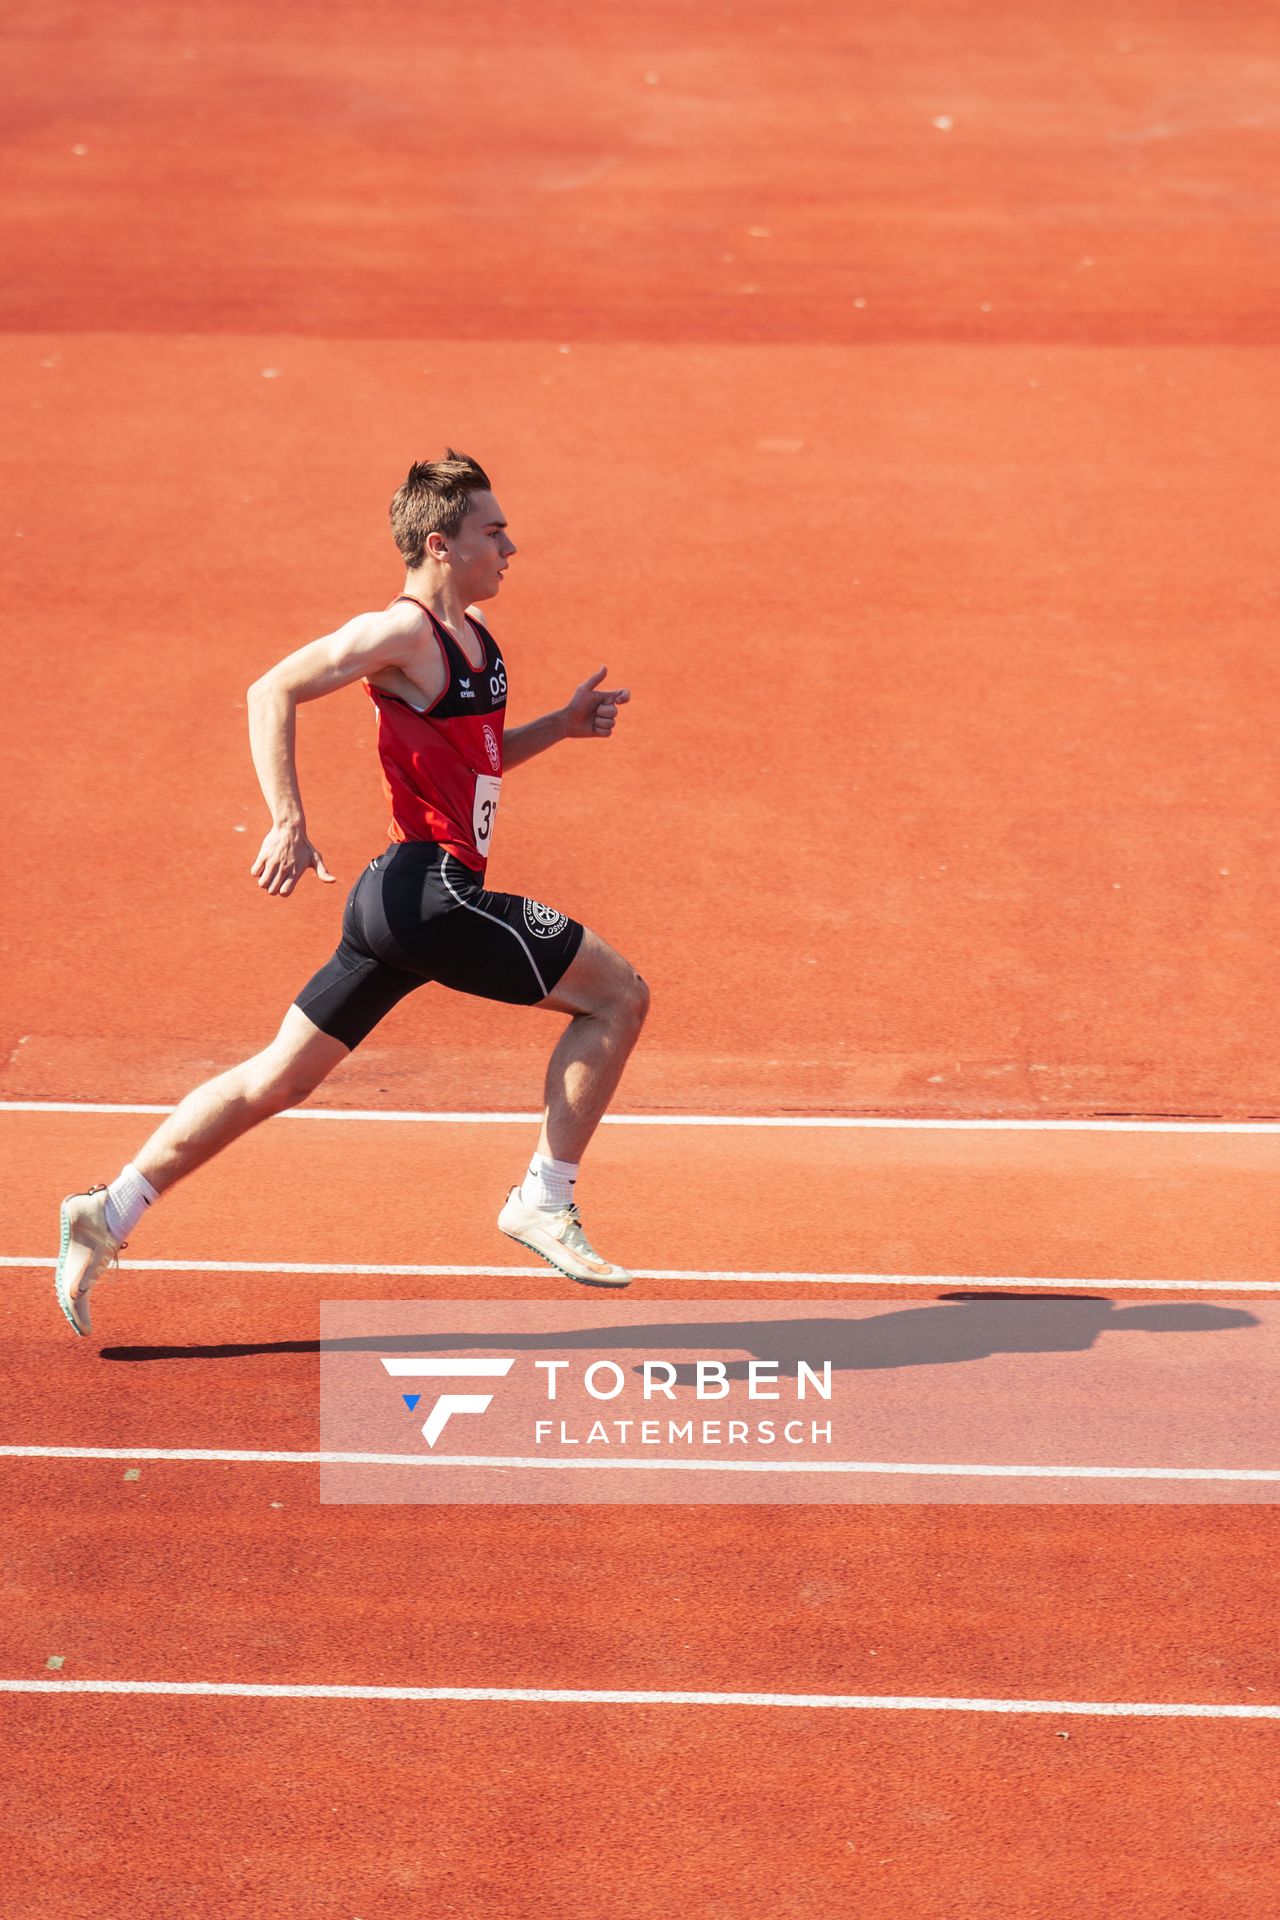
364	645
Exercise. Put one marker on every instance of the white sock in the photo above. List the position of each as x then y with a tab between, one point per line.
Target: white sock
128	1198
549	1183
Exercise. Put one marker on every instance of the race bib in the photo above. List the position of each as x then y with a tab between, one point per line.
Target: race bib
485	810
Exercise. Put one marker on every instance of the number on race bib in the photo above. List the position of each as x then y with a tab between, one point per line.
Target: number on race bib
484	811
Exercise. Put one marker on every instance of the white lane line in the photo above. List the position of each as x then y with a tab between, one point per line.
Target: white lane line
618	1697
747	1278
849	1122
964	1470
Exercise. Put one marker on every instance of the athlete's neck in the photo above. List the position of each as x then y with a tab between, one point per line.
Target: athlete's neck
439	594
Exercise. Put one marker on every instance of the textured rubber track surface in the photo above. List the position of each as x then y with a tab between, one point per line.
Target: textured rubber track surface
889	400
924	358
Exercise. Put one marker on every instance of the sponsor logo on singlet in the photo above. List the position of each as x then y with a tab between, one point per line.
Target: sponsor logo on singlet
491	747
468	691
545	922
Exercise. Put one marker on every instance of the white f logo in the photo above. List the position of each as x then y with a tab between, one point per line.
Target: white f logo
450	1403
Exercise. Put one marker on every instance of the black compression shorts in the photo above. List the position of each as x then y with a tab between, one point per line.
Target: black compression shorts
417	913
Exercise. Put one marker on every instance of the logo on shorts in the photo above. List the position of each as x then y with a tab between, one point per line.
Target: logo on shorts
545	922
491	747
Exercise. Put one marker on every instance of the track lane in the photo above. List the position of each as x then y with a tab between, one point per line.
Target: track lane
204	1572
608	1813
195	1359
1159	1206
1080	1381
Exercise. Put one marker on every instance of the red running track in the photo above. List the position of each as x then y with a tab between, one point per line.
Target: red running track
225	1571
925	361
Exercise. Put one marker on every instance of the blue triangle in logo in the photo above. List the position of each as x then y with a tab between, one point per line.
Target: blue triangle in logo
411	1400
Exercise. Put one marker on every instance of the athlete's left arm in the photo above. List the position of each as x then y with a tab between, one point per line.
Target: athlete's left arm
591	714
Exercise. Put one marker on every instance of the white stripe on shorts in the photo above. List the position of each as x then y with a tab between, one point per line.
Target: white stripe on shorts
542	985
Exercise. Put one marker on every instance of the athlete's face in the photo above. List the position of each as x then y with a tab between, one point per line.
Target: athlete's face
481	549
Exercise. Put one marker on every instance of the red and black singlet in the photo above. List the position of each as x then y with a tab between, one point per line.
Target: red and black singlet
442	765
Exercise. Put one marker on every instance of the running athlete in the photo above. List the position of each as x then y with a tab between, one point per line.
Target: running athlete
420	911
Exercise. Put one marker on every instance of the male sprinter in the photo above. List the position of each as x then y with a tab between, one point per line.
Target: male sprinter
420	911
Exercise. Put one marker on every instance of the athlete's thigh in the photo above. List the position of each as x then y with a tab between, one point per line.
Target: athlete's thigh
501	946
301	1042
369	973
597	977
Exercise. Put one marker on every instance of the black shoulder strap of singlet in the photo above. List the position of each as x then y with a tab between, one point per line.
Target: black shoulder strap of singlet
416	603
452	651
489	644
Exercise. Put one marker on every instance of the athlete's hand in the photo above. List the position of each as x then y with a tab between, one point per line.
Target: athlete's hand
284	856
593	711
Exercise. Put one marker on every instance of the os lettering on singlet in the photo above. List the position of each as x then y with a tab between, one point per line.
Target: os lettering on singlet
545	922
482	814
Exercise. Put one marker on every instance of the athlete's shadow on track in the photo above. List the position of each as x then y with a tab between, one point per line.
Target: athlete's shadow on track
955	1328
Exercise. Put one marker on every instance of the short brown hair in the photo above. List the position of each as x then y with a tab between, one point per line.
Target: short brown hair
435	497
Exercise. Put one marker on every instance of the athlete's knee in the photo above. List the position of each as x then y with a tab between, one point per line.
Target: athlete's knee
631	1000
289	1088
282	1075
270	1085
601	983
641	999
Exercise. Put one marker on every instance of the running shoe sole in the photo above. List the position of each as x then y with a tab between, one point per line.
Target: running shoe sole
525	1234
610	1286
59	1284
